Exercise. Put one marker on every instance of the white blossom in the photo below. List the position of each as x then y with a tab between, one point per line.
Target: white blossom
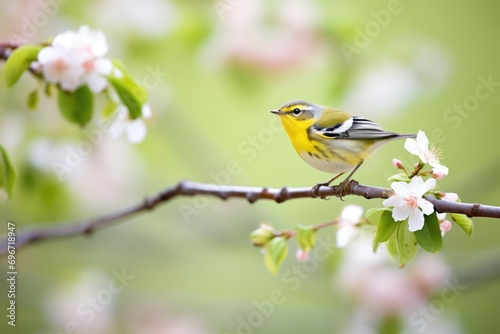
408	201
420	147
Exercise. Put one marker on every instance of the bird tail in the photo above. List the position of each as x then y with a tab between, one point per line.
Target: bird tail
403	135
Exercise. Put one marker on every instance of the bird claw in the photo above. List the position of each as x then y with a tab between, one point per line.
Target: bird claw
343	189
315	190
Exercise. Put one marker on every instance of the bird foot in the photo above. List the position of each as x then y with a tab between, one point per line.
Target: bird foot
315	189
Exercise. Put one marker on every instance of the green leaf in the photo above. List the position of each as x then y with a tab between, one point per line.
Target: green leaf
392	245
77	106
407	244
306	237
33	100
391	324
385	227
373	213
18	62
276	252
109	109
7	173
464	222
400	177
131	93
429	237
48	89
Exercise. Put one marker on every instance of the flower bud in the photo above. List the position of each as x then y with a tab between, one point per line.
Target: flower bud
438	175
262	235
445	226
397	163
302	255
452	197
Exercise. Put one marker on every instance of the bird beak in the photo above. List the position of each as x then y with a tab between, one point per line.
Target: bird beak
276	112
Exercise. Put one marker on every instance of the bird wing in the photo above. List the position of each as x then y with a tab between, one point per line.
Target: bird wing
354	127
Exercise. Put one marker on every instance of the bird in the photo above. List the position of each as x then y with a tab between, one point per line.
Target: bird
332	140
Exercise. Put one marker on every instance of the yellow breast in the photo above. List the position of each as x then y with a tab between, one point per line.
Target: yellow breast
297	131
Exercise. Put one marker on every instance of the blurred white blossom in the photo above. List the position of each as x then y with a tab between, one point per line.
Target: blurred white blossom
134	129
415	69
349	218
69	302
76	58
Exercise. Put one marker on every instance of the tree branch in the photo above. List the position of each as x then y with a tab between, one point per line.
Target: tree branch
251	194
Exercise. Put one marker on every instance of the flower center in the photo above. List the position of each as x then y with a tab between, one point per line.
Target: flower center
412	201
60	65
89	66
432	155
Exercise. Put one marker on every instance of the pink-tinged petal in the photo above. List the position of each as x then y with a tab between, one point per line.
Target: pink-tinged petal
146	111
103	66
422	141
412	147
426	206
302	255
345	234
417	186
136	131
438	176
445	226
96	83
120	123
401	188
415	221
393	201
401	212
47	55
441	216
397	163
438	168
429	185
65	40
452	197
70	81
92	40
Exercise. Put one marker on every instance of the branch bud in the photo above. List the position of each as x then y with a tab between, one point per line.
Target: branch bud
262	235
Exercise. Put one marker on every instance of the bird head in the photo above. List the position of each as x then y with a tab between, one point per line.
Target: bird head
299	110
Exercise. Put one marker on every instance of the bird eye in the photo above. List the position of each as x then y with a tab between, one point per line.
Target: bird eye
296	112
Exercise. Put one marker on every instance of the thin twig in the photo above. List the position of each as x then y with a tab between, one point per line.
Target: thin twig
251	194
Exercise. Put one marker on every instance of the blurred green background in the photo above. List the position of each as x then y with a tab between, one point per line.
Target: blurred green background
214	70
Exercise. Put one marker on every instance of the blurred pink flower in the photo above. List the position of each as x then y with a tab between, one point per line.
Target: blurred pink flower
302	255
379	289
243	37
